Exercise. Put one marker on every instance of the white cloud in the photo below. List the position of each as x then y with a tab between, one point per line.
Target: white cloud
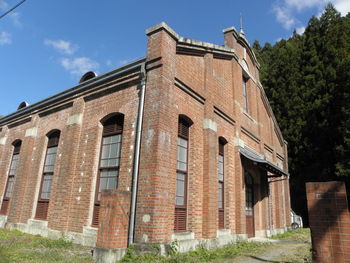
15	19
343	6
286	10
5	38
62	46
79	66
284	16
300	30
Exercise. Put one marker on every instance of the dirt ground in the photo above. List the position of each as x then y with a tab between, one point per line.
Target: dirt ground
286	252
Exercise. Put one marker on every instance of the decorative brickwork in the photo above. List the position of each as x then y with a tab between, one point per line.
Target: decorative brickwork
329	222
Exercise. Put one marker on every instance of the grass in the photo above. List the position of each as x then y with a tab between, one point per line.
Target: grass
302	235
16	246
199	255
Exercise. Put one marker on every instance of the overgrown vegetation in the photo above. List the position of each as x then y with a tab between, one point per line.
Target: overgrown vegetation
199	255
302	235
307	80
16	246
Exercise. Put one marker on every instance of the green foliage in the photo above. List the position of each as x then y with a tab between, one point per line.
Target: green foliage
307	80
302	234
16	246
201	254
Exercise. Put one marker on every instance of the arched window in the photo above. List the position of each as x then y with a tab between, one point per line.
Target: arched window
109	163
11	177
182	174
48	172
245	93
221	185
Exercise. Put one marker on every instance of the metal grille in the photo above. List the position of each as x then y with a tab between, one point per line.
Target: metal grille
221	219
4	207
180	219
42	209
183	129
96	215
113	125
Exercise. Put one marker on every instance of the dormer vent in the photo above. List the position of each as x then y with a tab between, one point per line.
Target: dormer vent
22	105
87	76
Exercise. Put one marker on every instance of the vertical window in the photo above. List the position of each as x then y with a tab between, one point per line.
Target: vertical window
181	176
109	160
46	179
248	194
221	185
245	94
11	178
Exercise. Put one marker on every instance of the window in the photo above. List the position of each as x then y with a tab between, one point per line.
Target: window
245	94
46	179
181	176
221	190
248	194
11	177
109	160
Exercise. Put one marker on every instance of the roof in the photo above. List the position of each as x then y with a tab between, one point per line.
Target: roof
86	85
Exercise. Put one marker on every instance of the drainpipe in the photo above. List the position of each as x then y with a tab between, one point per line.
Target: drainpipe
137	157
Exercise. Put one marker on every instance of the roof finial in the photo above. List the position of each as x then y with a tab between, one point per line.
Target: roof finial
241	19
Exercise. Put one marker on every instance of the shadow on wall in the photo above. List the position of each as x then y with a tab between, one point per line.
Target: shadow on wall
329	221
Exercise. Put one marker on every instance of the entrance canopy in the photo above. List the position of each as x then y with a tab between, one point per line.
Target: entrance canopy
260	160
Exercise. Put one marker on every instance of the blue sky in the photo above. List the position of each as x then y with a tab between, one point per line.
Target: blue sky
46	46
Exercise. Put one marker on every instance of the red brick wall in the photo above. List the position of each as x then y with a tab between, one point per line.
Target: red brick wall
218	81
114	219
329	220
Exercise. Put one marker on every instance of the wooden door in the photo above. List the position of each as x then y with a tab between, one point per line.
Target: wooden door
249	208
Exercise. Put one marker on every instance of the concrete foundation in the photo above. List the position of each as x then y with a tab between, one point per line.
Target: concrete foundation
3	220
39	227
105	255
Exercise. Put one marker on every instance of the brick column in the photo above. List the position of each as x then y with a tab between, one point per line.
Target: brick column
210	179
329	220
17	211
63	208
156	186
4	163
114	217
210	155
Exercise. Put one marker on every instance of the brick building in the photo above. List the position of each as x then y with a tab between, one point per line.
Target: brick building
185	137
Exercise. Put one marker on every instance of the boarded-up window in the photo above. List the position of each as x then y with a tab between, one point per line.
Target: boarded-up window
221	212
46	179
109	160
11	178
181	176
